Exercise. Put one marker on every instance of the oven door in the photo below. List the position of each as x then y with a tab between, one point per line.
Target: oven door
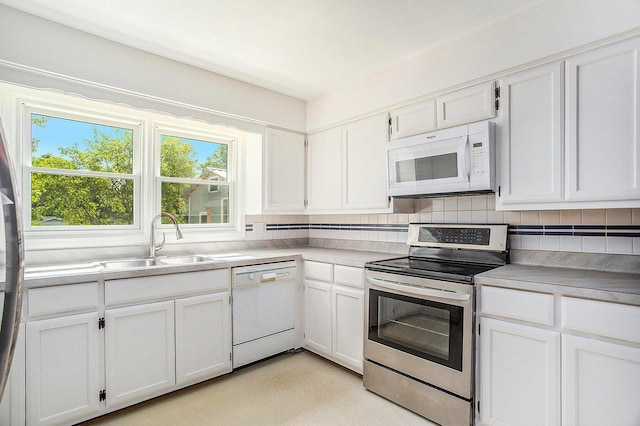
422	328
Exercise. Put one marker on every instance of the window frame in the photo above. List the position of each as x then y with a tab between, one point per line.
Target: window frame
18	105
204	135
29	107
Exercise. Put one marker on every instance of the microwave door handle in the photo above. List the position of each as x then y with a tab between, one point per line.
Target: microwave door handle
466	158
408	288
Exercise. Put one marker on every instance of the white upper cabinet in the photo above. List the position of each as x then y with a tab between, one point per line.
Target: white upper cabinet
474	103
324	170
450	109
365	164
347	167
284	171
603	148
413	119
576	146
531	139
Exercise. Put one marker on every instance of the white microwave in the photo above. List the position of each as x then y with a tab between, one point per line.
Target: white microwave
455	160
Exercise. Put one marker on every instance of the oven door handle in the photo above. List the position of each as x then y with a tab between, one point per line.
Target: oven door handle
423	291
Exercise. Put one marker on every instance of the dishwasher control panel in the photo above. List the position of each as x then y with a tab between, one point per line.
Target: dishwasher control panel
260	274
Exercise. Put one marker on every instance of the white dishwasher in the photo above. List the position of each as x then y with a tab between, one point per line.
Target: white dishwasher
264	311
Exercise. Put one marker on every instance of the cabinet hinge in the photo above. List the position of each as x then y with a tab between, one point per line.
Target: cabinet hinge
306	142
230	299
230	356
478	406
499	190
390	126
306	203
497	93
100	323
478	329
103	395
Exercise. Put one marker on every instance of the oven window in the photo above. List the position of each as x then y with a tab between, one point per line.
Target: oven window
427	168
423	328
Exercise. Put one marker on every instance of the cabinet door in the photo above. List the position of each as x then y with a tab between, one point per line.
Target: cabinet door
284	171
317	327
603	135
467	105
531	137
347	326
203	337
12	408
324	170
519	375
599	383
413	119
365	164
140	351
62	371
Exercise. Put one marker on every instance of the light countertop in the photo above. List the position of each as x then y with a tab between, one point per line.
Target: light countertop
85	272
585	283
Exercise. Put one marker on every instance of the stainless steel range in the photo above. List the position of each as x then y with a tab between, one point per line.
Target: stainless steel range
419	343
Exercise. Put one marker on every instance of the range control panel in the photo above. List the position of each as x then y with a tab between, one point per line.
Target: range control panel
458	236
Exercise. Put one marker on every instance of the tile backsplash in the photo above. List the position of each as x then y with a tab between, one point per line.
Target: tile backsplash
614	231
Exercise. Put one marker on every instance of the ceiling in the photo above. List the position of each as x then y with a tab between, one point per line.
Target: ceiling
302	48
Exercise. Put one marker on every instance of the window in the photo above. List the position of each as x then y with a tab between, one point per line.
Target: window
96	174
188	163
81	171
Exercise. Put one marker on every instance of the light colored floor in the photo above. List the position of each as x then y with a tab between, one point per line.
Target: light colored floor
291	389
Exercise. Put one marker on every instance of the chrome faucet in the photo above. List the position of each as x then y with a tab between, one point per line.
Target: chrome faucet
153	246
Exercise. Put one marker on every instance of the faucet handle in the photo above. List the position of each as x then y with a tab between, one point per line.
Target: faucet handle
161	243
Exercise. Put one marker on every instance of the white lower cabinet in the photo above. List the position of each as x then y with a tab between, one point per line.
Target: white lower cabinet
203	337
140	351
600	383
317	330
62	369
334	312
12	407
520	374
547	359
158	333
347	325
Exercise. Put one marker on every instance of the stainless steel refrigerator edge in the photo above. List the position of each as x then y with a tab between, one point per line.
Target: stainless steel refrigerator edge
14	264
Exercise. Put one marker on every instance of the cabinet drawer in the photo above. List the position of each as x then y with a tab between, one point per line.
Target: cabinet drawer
520	305
130	290
348	275
601	318
318	271
62	299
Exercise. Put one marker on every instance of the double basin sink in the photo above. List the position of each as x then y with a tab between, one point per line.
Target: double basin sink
132	263
167	261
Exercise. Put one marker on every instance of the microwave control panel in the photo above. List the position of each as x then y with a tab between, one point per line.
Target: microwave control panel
479	160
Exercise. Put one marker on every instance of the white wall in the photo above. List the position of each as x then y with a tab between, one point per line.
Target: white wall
542	31
31	42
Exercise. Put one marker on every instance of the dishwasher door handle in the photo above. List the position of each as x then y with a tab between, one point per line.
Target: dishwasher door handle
422	291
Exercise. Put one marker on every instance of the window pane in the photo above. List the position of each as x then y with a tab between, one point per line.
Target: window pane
195	203
76	200
69	144
193	159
